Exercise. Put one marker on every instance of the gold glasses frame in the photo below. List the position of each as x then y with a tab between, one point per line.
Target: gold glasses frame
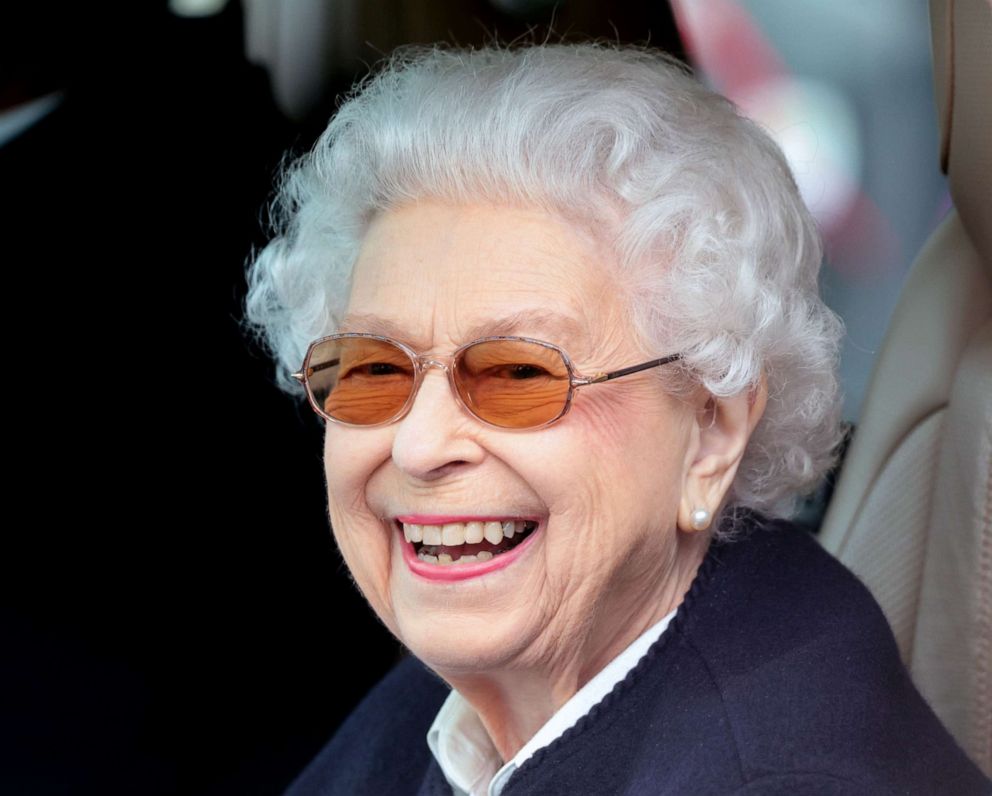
423	362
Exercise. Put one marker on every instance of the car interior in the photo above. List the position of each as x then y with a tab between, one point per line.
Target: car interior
911	513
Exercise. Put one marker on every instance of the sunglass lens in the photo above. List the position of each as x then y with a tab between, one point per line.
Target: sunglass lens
513	383
360	380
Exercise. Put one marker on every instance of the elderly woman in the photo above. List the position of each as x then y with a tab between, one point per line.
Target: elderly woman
558	308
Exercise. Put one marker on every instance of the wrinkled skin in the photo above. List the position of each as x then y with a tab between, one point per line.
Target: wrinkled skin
614	481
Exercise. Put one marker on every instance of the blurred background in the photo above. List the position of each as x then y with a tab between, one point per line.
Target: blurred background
175	618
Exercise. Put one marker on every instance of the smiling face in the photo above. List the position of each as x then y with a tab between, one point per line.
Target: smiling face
602	485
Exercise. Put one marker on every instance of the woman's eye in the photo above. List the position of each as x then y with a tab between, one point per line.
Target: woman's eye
524	371
373	369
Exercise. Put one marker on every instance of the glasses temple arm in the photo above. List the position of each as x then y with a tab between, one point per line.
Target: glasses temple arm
616	374
314	368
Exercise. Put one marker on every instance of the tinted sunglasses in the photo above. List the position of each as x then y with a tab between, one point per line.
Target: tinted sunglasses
507	382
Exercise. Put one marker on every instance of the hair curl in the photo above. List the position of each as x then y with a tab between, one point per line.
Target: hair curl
717	251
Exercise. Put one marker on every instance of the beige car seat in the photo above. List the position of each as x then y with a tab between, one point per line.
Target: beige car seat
912	510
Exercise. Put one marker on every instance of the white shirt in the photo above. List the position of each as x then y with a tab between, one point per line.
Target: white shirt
465	752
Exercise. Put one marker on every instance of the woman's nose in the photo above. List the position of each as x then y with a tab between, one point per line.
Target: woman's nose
437	435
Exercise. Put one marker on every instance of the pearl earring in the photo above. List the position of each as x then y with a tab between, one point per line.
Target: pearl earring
700	519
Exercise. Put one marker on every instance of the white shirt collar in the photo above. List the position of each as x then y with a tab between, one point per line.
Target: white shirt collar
465	752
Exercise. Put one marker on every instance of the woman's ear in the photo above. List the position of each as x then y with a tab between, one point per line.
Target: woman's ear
722	429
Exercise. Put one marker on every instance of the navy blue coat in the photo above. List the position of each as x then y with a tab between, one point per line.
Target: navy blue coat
778	675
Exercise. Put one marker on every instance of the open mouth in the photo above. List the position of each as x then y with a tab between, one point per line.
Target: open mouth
466	543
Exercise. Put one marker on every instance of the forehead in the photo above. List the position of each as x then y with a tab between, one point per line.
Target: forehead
431	273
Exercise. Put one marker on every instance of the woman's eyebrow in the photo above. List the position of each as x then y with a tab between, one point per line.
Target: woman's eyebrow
553	327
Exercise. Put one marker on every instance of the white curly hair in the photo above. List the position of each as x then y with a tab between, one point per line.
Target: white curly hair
718	254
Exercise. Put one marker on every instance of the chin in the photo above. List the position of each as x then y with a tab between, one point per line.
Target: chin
464	645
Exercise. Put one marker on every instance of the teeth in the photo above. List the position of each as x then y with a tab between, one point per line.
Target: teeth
453	534
474	532
445	559
432	534
457	533
494	532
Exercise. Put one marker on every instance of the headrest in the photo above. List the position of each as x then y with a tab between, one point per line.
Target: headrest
961	33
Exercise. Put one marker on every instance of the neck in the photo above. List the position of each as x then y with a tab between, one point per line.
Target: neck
513	704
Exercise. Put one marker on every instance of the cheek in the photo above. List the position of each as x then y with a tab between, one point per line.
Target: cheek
634	442
361	538
351	457
620	411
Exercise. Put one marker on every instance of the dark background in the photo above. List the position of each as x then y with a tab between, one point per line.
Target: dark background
175	618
